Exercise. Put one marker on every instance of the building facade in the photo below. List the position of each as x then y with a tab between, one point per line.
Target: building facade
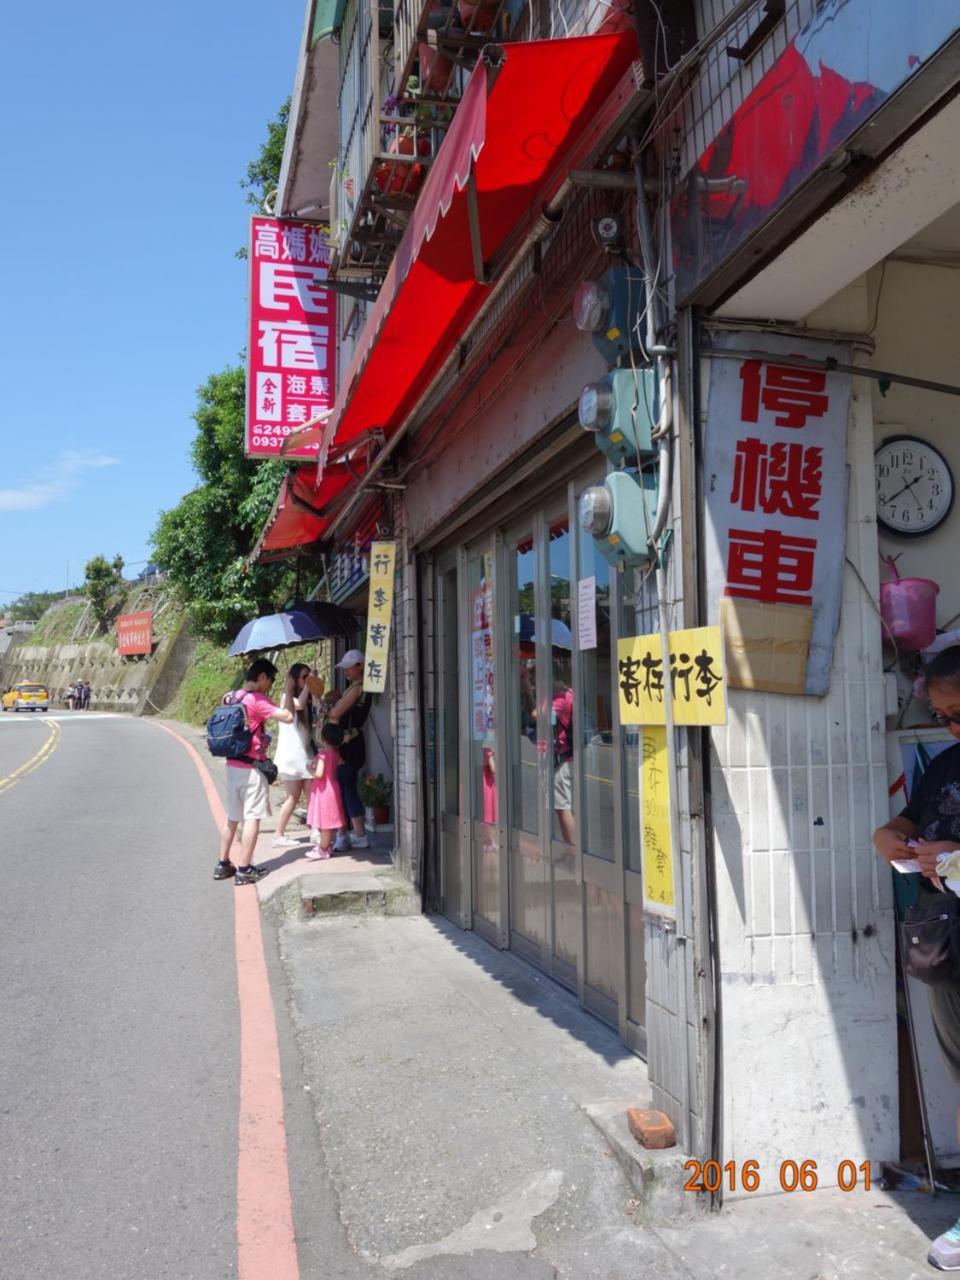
779	196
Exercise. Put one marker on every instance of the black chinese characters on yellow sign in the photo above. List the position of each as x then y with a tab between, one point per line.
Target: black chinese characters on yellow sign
697	681
696	677
379	615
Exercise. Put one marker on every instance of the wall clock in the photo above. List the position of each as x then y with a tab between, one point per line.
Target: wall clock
914	486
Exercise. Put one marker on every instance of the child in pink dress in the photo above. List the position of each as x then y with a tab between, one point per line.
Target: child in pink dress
325	811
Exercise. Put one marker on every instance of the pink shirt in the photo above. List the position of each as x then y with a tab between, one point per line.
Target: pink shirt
259	710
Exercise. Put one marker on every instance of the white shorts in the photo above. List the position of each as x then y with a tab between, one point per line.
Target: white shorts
248	795
563	785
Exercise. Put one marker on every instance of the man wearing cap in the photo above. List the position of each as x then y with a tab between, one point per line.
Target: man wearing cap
351	714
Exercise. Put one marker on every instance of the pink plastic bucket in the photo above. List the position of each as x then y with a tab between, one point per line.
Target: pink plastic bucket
909	608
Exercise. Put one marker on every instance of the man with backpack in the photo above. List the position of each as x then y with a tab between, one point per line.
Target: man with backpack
235	730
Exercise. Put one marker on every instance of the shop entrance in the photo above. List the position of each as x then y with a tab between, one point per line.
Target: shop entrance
538	829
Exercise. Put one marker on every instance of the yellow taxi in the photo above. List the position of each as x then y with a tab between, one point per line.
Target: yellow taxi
26	697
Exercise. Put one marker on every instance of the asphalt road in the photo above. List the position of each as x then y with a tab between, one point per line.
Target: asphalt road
119	1035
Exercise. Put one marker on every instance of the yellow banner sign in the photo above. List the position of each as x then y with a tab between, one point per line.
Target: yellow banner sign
695	673
658	892
383	558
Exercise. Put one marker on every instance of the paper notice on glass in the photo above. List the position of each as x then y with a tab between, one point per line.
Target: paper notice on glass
587	613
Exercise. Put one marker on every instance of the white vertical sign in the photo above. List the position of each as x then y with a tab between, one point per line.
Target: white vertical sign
587	613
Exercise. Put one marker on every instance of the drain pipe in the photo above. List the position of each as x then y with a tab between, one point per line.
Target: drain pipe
664	437
663	432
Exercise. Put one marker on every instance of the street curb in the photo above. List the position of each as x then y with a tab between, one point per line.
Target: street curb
657	1177
365	893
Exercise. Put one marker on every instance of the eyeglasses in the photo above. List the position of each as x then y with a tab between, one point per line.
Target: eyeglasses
944	720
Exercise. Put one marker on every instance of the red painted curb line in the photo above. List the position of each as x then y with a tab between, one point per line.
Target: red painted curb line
266	1242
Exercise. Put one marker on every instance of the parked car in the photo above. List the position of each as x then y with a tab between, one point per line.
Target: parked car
26	697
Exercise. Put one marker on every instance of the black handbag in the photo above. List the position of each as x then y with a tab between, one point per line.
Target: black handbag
265	767
930	940
269	770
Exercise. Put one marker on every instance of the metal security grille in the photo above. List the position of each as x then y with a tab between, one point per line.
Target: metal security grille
697	109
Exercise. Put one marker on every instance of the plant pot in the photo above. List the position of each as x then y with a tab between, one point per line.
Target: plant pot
403	179
381	814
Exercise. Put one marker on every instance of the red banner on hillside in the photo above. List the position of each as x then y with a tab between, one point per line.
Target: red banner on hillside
135	633
291	346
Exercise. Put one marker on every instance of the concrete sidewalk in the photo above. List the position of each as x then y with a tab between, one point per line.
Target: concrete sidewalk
452	1087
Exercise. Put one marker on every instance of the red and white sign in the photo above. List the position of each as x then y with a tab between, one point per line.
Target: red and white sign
291	346
135	633
775	462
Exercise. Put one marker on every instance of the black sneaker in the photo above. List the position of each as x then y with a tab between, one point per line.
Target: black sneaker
224	871
249	875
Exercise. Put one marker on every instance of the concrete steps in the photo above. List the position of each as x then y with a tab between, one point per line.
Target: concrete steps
364	893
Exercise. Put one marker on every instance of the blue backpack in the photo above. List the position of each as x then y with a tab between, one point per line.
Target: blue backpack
228	733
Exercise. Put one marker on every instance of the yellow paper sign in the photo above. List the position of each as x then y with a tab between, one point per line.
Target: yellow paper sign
658	894
695	673
383	557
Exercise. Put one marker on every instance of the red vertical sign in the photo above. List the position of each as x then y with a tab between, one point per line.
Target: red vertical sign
291	346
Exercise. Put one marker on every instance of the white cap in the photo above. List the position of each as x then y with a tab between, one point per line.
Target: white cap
350	659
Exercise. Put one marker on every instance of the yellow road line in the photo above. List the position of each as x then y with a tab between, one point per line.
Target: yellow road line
35	760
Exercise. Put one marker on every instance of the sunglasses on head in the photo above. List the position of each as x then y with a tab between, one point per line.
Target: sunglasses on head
943	719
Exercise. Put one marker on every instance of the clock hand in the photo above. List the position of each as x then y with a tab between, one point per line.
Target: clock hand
907	486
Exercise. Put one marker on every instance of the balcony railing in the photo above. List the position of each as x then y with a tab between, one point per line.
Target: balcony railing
436	43
402	70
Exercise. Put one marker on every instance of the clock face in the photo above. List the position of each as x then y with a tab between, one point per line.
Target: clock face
914	486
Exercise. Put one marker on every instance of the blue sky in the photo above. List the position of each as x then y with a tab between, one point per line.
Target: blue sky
123	139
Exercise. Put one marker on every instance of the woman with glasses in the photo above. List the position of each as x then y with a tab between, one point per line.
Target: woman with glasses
931	823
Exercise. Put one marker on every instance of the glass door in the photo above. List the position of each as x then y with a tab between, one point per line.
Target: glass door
601	784
488	882
454	880
525	764
562	752
539	807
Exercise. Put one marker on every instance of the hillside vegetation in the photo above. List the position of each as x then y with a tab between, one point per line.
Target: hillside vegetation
212	674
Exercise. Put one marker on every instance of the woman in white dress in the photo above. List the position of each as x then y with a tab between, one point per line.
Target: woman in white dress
293	754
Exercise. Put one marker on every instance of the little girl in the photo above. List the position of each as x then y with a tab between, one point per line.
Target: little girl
325	811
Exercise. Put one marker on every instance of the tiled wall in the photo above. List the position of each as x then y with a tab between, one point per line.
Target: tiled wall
805	914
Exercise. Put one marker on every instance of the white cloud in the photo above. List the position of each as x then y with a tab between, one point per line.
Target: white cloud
54	483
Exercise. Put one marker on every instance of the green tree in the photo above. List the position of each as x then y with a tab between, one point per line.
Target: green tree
102	577
30	606
263	174
203	541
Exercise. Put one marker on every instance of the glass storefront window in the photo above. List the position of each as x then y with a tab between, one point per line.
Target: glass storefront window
597	742
483	729
561	689
524	789
450	694
483	709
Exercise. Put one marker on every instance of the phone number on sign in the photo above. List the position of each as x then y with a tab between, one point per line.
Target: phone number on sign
793	1175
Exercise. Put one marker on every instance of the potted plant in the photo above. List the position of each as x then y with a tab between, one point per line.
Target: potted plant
376	792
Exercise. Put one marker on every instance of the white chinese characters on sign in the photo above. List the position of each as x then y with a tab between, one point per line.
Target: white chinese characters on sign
291	346
775	458
135	633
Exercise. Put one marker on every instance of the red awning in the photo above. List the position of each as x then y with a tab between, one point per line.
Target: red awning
521	126
301	513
